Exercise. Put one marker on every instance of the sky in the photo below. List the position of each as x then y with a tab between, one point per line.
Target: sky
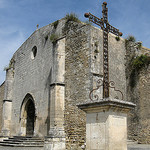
18	20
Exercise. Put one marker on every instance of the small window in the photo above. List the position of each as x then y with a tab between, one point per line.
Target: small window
34	52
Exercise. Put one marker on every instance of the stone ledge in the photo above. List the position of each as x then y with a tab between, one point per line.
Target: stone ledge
107	103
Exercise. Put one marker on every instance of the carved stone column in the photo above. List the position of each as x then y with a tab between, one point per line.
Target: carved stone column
7	102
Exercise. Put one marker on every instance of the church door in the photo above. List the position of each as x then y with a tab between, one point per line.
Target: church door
30	109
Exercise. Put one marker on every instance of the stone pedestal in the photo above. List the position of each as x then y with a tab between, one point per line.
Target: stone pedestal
106	124
55	143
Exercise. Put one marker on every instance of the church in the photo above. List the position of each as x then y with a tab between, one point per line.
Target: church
55	69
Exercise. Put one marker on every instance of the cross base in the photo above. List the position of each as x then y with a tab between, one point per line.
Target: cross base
106	124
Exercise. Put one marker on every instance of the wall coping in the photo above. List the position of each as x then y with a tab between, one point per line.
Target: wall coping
103	104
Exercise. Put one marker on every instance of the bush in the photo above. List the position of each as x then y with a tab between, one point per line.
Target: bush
54	38
140	61
129	39
72	17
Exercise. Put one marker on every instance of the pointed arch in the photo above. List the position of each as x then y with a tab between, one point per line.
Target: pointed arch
27	116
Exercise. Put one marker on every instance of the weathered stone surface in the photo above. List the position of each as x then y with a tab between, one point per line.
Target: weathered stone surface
84	54
55	144
2	87
73	63
138	87
106	124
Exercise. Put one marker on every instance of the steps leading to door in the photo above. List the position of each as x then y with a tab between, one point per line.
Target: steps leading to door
20	141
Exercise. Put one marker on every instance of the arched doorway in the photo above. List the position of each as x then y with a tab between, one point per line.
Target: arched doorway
27	116
30	109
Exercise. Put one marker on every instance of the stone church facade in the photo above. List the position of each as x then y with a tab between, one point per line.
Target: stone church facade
52	71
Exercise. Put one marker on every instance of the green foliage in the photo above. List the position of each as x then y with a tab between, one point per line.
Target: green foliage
132	39
140	61
55	24
54	38
129	39
72	17
117	38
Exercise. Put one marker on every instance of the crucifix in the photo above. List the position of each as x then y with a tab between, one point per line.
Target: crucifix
106	27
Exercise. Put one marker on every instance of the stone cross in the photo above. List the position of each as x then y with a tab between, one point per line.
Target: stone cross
106	27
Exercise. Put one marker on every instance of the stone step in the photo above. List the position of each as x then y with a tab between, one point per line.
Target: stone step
24	142
27	140
132	142
19	141
19	145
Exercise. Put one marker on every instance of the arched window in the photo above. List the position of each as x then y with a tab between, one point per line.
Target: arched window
33	52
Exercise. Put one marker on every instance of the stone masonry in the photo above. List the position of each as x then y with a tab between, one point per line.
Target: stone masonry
83	69
138	85
54	69
1	102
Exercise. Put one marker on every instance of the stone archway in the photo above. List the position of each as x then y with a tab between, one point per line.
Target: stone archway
27	116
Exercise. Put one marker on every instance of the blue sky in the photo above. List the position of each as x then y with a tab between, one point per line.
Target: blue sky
18	20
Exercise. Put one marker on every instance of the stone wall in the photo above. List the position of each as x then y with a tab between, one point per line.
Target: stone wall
33	74
2	87
138	87
77	81
84	66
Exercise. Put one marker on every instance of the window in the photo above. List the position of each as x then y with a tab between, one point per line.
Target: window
34	52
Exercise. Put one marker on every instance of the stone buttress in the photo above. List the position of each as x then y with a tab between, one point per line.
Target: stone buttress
56	138
7	102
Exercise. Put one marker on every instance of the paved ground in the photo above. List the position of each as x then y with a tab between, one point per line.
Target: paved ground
139	147
19	148
130	147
